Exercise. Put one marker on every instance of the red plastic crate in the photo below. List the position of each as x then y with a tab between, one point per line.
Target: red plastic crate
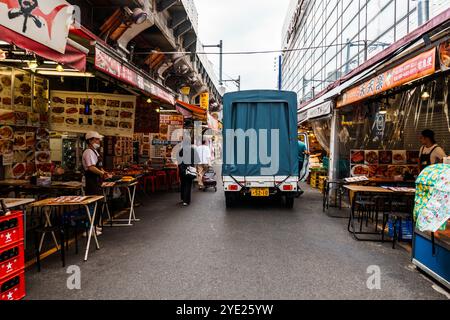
15	259
13	287
11	235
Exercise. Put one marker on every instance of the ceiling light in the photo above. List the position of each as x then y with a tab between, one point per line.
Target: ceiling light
425	95
33	65
59	68
149	100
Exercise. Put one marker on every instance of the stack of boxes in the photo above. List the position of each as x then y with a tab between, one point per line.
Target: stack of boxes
12	258
315	178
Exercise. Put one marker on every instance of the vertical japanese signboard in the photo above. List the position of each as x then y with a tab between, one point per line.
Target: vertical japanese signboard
204	101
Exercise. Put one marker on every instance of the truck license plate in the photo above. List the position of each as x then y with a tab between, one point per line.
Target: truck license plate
259	192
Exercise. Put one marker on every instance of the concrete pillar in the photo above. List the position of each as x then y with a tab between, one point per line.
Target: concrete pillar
334	147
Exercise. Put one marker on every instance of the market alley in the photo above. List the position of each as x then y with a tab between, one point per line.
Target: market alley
252	252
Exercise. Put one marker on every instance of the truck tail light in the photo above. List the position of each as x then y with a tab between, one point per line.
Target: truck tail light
233	187
288	187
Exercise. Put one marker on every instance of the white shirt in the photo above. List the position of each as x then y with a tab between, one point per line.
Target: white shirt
204	153
437	155
90	158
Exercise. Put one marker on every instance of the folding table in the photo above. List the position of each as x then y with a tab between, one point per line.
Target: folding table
131	192
83	202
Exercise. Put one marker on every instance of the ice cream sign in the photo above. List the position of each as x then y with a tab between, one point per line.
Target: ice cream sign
44	21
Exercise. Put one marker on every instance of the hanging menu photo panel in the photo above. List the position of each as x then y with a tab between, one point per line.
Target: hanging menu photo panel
109	114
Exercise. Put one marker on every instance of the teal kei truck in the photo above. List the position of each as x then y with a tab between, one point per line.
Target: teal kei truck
260	147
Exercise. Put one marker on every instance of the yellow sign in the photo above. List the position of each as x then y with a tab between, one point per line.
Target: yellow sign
185	91
204	100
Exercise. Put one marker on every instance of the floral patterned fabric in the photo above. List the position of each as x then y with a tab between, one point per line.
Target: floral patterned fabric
432	207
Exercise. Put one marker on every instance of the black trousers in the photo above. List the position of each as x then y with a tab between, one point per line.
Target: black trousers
186	188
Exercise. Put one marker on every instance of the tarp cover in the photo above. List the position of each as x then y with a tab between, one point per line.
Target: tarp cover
432	209
261	110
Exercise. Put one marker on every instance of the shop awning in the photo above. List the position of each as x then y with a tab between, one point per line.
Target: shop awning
73	57
315	112
196	111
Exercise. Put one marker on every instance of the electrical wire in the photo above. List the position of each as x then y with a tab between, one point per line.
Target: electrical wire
250	52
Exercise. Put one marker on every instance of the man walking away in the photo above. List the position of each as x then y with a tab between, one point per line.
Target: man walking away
187	159
204	152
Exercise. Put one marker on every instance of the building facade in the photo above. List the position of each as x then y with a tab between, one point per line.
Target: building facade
327	39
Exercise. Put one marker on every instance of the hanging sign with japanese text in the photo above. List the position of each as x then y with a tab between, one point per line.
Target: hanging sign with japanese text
119	70
204	101
415	68
46	22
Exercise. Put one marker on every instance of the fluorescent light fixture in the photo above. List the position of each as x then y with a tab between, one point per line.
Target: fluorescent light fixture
66	73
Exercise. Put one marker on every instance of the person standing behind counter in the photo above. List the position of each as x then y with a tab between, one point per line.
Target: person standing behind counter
430	153
93	165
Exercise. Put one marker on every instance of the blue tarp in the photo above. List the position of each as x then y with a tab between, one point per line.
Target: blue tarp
266	110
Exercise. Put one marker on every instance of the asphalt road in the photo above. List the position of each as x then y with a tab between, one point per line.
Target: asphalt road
258	251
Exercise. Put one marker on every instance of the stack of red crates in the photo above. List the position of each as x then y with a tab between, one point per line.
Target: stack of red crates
12	257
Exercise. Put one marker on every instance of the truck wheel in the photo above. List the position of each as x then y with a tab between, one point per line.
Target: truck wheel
230	199
289	202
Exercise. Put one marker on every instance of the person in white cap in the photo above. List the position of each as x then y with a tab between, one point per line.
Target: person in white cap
93	164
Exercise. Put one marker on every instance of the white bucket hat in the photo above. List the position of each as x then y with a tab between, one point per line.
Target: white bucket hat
93	134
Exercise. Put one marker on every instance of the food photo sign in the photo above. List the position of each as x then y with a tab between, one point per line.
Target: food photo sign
109	114
387	164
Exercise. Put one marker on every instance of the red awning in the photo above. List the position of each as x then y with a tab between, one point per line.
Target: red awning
196	110
73	57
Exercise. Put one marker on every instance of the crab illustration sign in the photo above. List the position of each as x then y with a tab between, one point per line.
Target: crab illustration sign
46	22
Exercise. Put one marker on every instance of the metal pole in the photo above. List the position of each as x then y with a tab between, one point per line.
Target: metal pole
333	168
279	73
239	83
347	65
221	62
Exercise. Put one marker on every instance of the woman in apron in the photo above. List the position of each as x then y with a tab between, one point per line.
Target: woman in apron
430	153
93	165
93	169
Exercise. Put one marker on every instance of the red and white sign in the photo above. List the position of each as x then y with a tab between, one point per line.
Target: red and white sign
119	70
415	68
46	22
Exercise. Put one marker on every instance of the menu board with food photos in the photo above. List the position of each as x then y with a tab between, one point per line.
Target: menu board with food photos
108	114
25	150
23	98
24	143
147	118
384	163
